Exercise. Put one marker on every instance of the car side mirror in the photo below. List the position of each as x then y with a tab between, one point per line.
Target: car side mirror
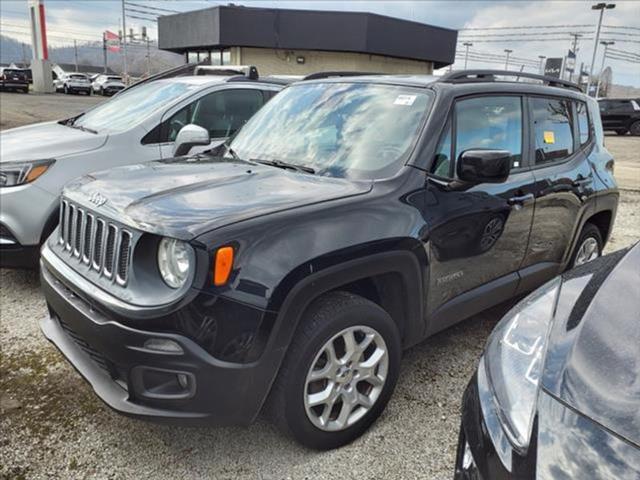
189	136
484	166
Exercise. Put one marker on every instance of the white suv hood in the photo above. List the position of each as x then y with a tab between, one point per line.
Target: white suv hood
46	140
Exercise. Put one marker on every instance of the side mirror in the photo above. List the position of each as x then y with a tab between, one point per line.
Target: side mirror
189	136
484	166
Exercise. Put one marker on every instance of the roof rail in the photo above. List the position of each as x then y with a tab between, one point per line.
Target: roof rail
470	76
249	71
318	75
267	79
181	70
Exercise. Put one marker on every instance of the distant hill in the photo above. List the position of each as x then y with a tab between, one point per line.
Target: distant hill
91	53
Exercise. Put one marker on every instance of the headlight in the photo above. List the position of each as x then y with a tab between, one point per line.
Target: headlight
174	261
514	358
18	173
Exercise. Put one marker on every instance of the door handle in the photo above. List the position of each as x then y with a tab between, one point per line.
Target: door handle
520	199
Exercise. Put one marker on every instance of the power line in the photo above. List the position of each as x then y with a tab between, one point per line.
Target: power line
525	27
147	7
624	52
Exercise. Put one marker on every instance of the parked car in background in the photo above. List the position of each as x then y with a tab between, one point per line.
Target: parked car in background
107	84
15	79
137	125
622	115
556	394
76	83
349	219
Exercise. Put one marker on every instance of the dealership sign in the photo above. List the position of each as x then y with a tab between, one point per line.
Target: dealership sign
553	67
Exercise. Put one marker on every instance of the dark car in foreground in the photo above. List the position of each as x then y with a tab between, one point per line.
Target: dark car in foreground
14	79
349	219
622	115
557	392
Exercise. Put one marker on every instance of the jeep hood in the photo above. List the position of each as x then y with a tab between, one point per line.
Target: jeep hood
46	140
593	359
183	198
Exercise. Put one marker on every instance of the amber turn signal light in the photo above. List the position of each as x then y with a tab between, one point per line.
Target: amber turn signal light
223	265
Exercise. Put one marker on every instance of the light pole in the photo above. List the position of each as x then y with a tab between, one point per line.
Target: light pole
542	57
602	7
604	56
506	63
124	46
466	53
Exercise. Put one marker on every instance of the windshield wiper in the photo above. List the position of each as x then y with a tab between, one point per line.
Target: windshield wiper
80	127
281	164
232	152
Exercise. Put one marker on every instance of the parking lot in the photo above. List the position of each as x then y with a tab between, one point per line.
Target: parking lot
54	426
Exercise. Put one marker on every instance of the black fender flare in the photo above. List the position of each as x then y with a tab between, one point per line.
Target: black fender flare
406	263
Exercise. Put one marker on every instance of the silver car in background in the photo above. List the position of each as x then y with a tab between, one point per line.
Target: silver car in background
142	123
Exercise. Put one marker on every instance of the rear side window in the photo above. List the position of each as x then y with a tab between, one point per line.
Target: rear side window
553	126
583	122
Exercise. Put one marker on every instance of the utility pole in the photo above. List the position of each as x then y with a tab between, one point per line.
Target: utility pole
75	53
24	54
466	53
604	56
104	50
574	49
124	46
506	63
602	7
148	59
542	57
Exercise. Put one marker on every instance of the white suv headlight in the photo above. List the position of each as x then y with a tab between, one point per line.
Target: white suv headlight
19	173
174	261
514	358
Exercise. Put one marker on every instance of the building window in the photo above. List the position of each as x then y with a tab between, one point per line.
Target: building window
214	57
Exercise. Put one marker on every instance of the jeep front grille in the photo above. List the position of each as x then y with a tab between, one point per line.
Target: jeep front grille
96	242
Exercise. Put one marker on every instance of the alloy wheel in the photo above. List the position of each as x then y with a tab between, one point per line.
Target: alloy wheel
346	378
587	251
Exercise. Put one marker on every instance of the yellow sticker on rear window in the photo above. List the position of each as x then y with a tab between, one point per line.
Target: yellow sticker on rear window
549	137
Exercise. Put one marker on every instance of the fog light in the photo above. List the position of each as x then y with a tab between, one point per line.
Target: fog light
183	380
163	345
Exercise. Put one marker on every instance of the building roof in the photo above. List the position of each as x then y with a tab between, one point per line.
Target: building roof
359	32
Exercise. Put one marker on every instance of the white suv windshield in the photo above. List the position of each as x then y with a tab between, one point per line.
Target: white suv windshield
131	107
356	130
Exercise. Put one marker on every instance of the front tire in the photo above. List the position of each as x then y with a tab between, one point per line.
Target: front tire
621	132
589	246
65	90
635	128
339	373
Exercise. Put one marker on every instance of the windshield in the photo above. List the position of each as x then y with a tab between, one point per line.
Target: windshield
78	77
131	107
355	130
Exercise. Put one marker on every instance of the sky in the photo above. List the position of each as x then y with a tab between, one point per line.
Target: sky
85	20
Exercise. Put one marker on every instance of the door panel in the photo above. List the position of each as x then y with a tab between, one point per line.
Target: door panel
478	233
564	181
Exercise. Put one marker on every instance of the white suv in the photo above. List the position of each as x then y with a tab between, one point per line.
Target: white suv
75	83
107	84
139	124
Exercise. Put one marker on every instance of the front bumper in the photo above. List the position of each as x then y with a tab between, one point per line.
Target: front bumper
79	88
483	450
138	381
14	255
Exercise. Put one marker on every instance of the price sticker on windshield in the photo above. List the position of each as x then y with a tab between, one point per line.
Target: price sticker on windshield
549	137
405	100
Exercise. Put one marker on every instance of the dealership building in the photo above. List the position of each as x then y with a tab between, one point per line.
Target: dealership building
299	42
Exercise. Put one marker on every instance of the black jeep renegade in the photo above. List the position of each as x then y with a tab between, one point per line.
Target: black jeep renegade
349	219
